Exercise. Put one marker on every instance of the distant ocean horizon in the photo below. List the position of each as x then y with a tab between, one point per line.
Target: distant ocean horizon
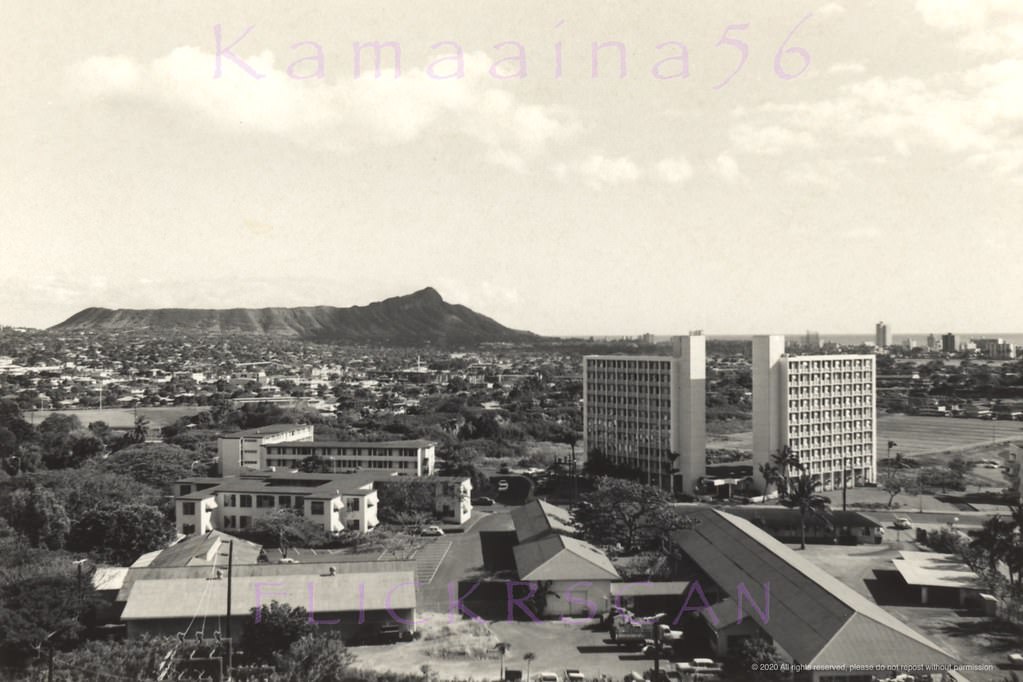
847	339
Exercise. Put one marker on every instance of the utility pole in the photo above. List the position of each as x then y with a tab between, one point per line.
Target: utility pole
657	651
230	641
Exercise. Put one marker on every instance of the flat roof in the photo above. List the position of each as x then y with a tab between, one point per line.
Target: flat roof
354	444
649	589
207	597
928	569
270	430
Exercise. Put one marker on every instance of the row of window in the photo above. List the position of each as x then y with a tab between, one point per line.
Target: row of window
343	464
306	451
626	363
835	363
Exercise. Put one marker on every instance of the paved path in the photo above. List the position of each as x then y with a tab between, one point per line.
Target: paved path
429	558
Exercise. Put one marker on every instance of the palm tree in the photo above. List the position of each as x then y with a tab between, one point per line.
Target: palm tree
785	462
801	493
502	649
141	429
528	657
771	476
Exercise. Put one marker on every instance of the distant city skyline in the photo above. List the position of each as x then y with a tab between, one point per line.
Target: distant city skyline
828	182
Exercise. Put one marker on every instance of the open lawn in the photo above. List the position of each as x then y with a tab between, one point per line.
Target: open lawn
914	435
119	417
936	435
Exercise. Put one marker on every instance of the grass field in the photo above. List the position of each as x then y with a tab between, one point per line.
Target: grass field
118	417
936	435
914	435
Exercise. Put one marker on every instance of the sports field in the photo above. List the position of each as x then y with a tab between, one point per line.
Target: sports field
914	435
931	435
122	417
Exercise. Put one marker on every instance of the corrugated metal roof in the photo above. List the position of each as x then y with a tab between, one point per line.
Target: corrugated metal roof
202	597
559	557
203	550
808	608
537	517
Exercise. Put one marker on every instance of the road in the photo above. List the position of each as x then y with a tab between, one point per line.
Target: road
966	519
463	559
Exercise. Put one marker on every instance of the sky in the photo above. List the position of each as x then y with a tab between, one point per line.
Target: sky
864	163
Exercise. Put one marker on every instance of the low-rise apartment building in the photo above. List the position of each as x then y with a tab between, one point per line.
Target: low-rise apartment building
243	450
413	457
335	502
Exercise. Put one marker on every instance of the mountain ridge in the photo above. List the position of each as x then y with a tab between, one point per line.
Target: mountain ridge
412	319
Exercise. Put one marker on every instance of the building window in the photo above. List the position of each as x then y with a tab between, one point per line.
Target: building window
244	521
316	508
230	501
188	508
284	500
246	501
353	505
188	528
264	501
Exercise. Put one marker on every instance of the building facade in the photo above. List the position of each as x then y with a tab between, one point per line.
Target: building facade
948	343
243	450
333	502
413	457
648	412
882	335
820	406
995	349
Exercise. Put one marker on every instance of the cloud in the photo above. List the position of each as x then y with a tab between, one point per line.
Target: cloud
975	113
982	25
770	139
597	171
829	10
847	67
344	115
674	171
726	168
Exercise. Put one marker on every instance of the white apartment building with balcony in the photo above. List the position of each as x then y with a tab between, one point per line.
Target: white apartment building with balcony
412	457
648	412
821	406
243	450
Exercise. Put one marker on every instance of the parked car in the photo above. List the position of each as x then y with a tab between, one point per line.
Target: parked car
902	523
548	677
390	633
483	502
1016	661
432	531
287	560
574	676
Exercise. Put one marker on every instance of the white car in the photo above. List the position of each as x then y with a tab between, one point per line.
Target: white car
902	523
1016	660
548	677
433	531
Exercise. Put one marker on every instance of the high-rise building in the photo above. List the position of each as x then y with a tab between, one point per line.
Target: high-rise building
996	349
948	343
882	335
820	406
812	341
648	412
932	342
